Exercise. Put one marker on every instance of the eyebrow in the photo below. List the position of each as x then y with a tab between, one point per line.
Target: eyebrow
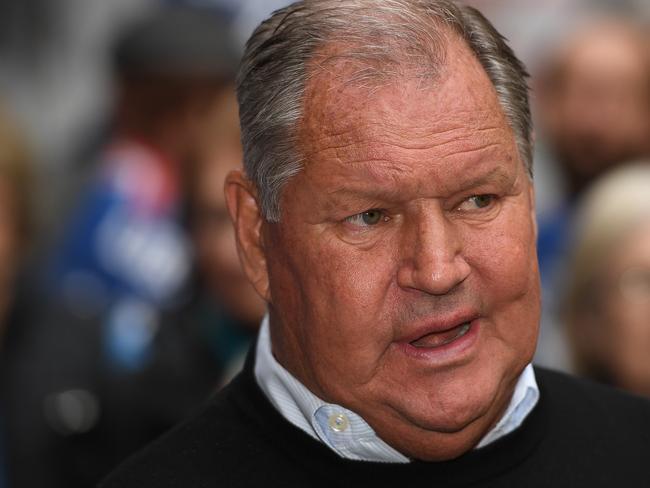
495	175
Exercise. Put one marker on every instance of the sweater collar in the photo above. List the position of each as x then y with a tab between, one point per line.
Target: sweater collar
344	431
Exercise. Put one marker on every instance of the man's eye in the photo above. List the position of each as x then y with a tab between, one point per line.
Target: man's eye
477	202
367	218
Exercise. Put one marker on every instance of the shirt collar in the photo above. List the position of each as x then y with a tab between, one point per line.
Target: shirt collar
344	431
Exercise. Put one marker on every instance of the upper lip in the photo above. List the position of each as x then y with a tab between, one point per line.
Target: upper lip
435	324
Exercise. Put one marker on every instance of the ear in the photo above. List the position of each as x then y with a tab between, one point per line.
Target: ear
533	213
241	199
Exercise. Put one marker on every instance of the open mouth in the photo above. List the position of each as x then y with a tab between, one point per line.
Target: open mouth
439	339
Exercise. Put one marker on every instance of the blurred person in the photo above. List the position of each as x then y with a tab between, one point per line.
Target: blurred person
125	252
219	153
16	219
96	379
607	305
18	291
593	104
226	303
594	100
16	225
202	344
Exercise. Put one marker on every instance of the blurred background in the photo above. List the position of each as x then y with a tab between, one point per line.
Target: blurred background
122	305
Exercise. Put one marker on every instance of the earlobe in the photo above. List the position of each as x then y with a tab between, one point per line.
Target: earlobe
241	199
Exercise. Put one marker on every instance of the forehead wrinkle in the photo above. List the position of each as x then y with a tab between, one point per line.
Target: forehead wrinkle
371	178
453	153
435	141
358	144
431	136
346	130
377	161
386	182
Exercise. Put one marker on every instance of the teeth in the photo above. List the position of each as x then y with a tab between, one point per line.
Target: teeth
438	339
463	329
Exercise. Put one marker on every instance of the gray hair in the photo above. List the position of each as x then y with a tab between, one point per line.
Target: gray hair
386	38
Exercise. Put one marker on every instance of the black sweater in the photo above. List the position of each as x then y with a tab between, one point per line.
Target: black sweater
579	435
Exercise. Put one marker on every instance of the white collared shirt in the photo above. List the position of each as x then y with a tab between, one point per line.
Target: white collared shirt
344	431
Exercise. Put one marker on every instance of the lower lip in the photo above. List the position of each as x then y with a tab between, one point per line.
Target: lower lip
452	351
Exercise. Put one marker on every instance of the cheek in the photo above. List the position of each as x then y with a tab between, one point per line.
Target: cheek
504	262
504	255
339	295
350	286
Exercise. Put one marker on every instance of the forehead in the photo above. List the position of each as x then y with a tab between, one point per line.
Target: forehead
454	117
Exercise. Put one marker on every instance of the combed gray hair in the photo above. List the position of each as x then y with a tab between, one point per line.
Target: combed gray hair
385	38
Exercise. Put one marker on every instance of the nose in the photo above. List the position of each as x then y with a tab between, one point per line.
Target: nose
431	259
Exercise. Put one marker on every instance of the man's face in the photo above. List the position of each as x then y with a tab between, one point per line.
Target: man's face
403	277
604	79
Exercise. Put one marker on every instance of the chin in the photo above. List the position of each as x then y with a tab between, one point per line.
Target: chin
437	436
454	403
451	415
442	425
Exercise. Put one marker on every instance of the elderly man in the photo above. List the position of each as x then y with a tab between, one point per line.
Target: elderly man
386	216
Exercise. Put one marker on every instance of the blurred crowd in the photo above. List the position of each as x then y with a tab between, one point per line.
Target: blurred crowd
122	303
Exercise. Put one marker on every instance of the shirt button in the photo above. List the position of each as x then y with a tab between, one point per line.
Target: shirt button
338	422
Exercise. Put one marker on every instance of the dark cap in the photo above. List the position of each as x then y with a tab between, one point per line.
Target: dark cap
178	42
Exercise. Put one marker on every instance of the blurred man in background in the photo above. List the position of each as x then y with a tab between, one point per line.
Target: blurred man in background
226	306
594	100
95	379
593	104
